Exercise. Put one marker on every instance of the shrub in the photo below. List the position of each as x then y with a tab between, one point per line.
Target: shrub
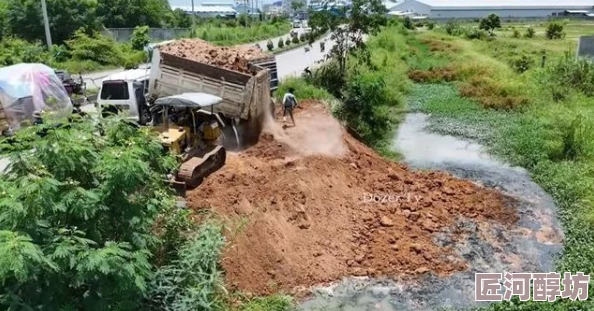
530	33
295	40
14	51
516	34
490	23
302	37
78	215
140	38
97	48
281	43
555	31
365	107
452	28
408	23
476	34
430	25
270	45
569	72
288	42
522	64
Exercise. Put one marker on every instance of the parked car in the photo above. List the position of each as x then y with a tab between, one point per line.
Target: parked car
296	23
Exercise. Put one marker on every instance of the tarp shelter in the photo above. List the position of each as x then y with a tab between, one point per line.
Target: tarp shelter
26	88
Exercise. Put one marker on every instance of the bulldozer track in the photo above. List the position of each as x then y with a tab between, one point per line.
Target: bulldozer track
191	171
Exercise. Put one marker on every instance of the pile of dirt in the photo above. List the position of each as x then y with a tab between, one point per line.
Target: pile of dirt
313	215
233	58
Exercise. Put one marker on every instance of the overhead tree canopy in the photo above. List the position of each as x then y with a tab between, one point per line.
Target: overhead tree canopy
132	13
25	20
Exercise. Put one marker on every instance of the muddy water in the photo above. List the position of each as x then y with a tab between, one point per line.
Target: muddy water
531	246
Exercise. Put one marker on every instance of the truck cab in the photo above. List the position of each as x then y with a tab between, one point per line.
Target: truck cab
127	92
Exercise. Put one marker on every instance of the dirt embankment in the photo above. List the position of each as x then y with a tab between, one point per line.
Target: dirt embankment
318	205
234	58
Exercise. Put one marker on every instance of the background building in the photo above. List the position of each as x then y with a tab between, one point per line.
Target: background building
510	9
209	10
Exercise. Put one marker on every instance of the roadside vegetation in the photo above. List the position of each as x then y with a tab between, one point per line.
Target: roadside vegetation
523	93
79	44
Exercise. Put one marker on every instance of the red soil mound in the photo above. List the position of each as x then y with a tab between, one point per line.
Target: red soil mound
233	58
309	215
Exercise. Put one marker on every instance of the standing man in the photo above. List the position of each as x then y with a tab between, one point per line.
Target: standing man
289	102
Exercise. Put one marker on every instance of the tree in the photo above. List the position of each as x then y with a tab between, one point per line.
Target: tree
490	23
555	31
182	19
297	5
365	17
77	215
408	23
24	18
132	13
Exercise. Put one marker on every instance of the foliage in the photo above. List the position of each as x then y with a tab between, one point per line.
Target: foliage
14	51
516	34
281	43
430	25
474	33
522	64
490	23
407	23
288	41
569	72
452	28
303	90
366	17
140	38
194	280
181	19
297	5
530	33
295	40
270	45
302	37
24	18
219	33
555	31
270	303
364	107
95	47
132	13
77	215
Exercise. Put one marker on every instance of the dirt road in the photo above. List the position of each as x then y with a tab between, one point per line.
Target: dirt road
321	206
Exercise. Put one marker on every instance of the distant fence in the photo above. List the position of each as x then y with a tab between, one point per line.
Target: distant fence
156	34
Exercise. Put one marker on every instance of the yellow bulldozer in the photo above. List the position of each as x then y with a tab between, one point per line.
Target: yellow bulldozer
188	127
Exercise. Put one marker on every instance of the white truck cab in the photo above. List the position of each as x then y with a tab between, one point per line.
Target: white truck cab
125	91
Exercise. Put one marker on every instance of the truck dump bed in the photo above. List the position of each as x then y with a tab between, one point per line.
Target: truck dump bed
245	94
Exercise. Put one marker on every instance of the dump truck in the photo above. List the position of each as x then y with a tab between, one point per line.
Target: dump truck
245	85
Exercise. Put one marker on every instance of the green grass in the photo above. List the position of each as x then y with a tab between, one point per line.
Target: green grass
226	35
552	138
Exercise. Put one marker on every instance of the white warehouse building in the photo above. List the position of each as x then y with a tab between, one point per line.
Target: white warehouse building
510	9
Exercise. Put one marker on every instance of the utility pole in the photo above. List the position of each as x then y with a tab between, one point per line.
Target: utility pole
48	35
193	20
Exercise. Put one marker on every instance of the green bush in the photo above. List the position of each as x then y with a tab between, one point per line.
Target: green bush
430	25
270	45
295	40
365	107
288	42
14	51
96	48
140	38
77	216
522	63
281	43
516	34
555	31
569	72
452	28
302	37
303	90
408	24
476	34
530	33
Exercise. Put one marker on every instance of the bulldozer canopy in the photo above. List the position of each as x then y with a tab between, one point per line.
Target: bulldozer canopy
189	100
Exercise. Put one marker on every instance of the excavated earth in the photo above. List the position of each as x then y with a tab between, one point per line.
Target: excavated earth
234	58
310	205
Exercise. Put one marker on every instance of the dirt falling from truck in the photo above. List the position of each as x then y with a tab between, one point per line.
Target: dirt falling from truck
318	205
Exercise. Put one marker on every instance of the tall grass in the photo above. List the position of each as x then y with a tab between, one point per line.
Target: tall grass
227	35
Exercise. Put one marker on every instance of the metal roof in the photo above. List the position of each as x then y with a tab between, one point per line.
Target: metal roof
207	9
563	4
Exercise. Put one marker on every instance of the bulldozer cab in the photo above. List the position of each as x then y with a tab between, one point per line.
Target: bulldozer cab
187	121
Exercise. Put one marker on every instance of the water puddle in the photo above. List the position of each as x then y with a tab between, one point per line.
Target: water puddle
531	246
